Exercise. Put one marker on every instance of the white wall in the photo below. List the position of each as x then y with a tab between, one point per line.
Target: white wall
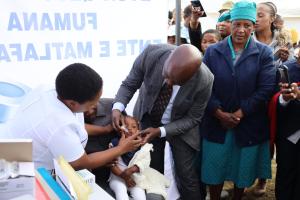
293	22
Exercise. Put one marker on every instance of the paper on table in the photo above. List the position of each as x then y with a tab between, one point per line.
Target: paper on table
63	180
81	188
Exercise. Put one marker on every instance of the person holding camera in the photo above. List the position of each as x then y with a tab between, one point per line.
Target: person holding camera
195	29
287	138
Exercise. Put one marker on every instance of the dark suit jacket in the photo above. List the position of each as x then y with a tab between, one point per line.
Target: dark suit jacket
189	104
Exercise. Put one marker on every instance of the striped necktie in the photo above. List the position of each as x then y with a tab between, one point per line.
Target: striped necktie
160	104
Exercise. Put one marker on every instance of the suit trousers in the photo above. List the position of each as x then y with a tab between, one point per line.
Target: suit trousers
186	171
288	170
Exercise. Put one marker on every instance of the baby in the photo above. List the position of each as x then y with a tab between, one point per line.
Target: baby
121	178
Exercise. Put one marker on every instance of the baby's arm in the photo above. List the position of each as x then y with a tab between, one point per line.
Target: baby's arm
116	170
133	169
125	175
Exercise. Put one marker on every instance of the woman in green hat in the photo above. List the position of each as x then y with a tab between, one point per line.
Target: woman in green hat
235	126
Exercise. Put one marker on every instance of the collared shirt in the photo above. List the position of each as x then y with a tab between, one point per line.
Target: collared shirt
54	129
103	115
103	118
166	118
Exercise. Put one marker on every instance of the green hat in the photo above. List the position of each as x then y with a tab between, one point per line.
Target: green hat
243	10
224	16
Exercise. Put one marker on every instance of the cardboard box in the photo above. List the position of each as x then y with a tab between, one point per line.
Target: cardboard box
17	150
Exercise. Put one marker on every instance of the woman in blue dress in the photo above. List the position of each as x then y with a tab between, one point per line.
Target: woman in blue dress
235	126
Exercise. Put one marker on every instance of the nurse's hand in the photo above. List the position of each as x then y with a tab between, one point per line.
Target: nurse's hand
117	119
130	143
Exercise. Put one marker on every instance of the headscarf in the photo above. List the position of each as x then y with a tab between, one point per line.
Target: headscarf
224	16
243	10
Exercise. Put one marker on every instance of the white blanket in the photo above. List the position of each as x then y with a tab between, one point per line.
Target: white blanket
148	178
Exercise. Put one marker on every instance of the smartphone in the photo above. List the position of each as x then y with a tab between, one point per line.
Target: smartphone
197	4
284	74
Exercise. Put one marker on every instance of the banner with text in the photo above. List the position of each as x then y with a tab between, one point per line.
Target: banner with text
40	37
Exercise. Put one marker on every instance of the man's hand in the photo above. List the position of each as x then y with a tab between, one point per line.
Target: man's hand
117	120
227	120
289	92
130	143
149	134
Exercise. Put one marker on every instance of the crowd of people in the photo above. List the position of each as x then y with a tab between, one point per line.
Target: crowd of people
229	91
216	100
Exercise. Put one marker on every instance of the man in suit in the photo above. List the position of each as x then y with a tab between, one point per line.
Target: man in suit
181	69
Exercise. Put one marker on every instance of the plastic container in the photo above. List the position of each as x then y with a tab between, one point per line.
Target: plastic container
11	95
